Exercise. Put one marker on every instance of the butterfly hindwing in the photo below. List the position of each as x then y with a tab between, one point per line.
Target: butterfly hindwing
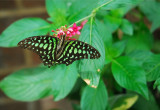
75	50
44	46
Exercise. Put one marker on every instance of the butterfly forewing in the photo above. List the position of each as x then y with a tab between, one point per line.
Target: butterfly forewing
75	50
44	46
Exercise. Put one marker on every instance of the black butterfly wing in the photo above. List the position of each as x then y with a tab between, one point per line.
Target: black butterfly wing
76	50
44	46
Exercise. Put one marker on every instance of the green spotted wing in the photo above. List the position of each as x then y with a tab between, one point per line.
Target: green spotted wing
76	50
44	46
59	51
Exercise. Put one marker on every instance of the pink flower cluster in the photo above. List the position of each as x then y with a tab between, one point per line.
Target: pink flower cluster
69	32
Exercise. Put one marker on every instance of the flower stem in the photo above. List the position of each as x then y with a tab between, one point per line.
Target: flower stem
82	19
104	5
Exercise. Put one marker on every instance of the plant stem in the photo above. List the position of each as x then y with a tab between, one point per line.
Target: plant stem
82	19
92	14
104	5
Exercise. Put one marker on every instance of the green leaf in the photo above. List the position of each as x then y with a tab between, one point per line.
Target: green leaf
28	84
63	80
106	36
90	69
119	4
104	32
157	84
116	49
152	67
126	27
94	99
151	9
57	10
128	74
80	9
123	101
140	55
112	21
23	28
143	40
36	83
119	8
143	104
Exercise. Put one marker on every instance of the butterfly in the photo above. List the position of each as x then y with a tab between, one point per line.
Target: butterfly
53	50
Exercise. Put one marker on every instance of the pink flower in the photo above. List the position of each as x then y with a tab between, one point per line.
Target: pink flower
76	29
69	32
83	23
60	32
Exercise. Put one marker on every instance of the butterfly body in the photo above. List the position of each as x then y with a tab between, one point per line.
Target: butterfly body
59	51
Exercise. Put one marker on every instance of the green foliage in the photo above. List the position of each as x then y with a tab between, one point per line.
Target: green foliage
151	9
36	83
140	56
143	41
126	27
152	67
157	84
115	50
91	69
63	83
28	84
126	62
94	99
119	4
130	75
57	11
80	9
22	29
123	101
143	104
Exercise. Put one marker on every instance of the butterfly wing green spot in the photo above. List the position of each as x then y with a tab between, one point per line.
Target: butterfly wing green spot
76	50
44	46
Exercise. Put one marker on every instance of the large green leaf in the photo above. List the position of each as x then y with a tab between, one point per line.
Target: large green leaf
123	101
90	69
57	9
28	84
151	9
94	99
63	80
36	83
23	28
128	74
152	67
